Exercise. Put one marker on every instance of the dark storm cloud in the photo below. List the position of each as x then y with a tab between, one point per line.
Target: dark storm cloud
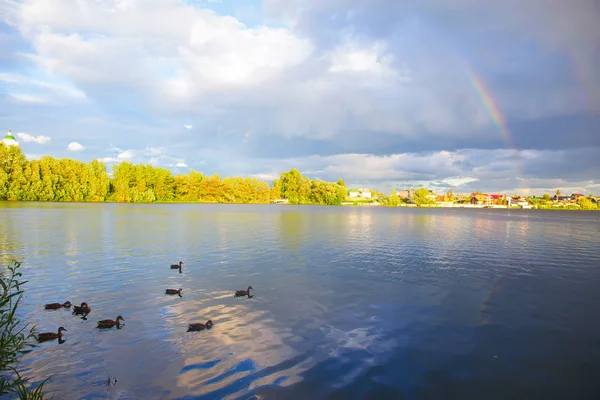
514	47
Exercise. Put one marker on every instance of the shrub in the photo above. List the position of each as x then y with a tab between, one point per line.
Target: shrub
16	339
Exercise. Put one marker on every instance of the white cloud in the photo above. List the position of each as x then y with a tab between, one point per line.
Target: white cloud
166	160
179	164
48	91
75	146
28	98
153	151
352	58
211	65
37	139
527	171
187	59
156	156
108	160
265	177
404	166
126	155
458	181
197	47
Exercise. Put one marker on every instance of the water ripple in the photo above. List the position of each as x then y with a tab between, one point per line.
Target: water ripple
349	302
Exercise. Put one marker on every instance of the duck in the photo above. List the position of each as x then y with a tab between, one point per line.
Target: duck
239	293
43	337
109	323
199	326
56	306
82	309
177	266
174	291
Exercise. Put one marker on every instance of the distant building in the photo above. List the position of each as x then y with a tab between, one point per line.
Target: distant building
365	193
280	201
406	194
362	193
10	140
521	202
479	198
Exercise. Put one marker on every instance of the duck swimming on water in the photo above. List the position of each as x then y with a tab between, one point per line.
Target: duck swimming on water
239	293
177	266
109	323
56	306
199	326
82	309
43	337
174	291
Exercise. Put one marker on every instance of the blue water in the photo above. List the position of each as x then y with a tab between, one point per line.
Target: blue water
350	302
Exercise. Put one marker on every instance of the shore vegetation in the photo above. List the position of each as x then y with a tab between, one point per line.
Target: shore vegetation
54	179
16	337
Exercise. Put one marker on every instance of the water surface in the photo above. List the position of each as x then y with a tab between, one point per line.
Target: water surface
349	302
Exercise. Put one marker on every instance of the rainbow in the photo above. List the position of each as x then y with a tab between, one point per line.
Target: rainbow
491	107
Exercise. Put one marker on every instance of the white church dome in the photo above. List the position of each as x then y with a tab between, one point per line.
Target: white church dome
9	139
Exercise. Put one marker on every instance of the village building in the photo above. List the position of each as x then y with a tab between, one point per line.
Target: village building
362	193
406	194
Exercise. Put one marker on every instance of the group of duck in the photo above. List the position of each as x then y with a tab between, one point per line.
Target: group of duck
84	309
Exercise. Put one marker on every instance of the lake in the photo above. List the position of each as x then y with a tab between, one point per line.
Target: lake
349	302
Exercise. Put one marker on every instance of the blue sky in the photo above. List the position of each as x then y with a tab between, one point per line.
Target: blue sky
375	92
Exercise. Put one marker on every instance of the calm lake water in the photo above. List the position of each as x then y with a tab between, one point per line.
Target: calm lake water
350	303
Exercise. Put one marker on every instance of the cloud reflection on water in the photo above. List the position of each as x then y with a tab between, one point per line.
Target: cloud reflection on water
356	299
242	341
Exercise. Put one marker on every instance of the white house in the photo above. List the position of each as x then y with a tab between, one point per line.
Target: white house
362	193
432	196
365	193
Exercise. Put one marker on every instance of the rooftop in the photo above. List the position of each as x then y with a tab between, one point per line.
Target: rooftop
9	135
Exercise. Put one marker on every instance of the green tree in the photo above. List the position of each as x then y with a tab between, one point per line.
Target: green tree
449	197
276	190
422	197
290	185
51	179
12	178
586	204
392	200
546	197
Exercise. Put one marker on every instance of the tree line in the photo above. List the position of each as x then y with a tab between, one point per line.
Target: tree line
53	179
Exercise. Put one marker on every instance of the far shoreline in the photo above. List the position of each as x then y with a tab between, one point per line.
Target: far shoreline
364	205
